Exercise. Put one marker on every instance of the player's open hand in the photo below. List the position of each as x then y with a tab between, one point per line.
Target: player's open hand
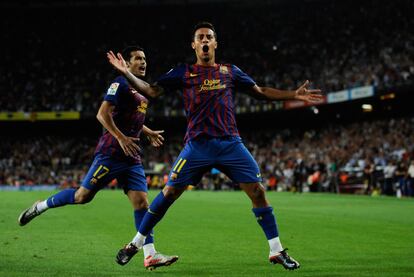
155	138
129	146
308	95
117	61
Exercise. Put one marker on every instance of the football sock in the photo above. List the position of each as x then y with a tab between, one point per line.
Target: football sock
138	240
275	246
42	206
267	221
156	211
149	249
61	198
138	216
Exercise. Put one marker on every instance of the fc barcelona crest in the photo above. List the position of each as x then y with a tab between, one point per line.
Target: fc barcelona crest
224	69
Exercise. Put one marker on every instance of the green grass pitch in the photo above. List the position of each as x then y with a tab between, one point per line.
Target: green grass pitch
215	234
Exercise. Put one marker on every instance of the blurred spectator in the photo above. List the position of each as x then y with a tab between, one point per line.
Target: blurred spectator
342	45
370	150
389	178
410	180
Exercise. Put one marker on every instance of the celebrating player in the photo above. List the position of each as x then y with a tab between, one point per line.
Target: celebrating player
117	156
212	138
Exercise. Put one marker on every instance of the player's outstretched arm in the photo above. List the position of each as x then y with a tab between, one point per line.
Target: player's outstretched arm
155	137
302	93
127	144
119	63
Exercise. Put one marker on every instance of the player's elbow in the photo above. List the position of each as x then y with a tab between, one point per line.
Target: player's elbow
258	93
103	112
154	91
99	116
154	94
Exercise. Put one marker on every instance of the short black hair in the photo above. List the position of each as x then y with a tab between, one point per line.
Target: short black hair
126	52
204	24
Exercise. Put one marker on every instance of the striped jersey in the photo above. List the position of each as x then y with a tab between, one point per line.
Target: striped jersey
208	97
128	115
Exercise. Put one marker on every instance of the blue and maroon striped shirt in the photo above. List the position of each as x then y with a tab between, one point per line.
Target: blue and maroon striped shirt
208	97
128	115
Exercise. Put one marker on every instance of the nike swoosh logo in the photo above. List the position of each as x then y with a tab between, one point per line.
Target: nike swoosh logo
258	175
193	74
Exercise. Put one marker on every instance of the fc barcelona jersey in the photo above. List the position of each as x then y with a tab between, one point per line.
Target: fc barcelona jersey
208	97
128	115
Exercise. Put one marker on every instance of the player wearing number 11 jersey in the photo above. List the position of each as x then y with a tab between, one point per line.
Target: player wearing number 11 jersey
212	138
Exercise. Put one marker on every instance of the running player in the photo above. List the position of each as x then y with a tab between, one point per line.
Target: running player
117	156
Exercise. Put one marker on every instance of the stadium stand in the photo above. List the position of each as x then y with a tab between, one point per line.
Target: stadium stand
319	158
336	46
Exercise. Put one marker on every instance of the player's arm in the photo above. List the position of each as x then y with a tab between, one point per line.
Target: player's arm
155	137
127	144
302	93
119	63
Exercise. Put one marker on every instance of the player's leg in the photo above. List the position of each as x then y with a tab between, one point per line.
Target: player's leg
238	164
134	182
156	212
264	214
96	177
145	239
267	221
152	258
60	199
139	202
186	170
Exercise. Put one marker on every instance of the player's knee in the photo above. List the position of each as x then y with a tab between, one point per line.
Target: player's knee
259	192
139	199
82	197
256	192
172	192
82	200
141	204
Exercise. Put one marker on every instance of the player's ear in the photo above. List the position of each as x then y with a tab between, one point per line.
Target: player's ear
215	44
193	45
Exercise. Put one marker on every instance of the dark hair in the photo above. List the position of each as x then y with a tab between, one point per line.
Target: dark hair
203	24
126	52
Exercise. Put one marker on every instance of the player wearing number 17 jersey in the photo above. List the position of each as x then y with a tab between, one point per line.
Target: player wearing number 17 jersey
212	138
117	156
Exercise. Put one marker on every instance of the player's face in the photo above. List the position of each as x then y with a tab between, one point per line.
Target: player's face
137	64
204	36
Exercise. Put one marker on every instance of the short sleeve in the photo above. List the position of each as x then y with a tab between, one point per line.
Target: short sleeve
172	80
242	79
115	90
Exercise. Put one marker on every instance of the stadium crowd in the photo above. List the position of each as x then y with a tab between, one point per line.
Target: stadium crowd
375	156
336	45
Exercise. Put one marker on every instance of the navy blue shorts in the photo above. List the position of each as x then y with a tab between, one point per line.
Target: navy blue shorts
105	168
229	155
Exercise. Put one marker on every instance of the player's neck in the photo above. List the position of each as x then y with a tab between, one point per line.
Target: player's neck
201	62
